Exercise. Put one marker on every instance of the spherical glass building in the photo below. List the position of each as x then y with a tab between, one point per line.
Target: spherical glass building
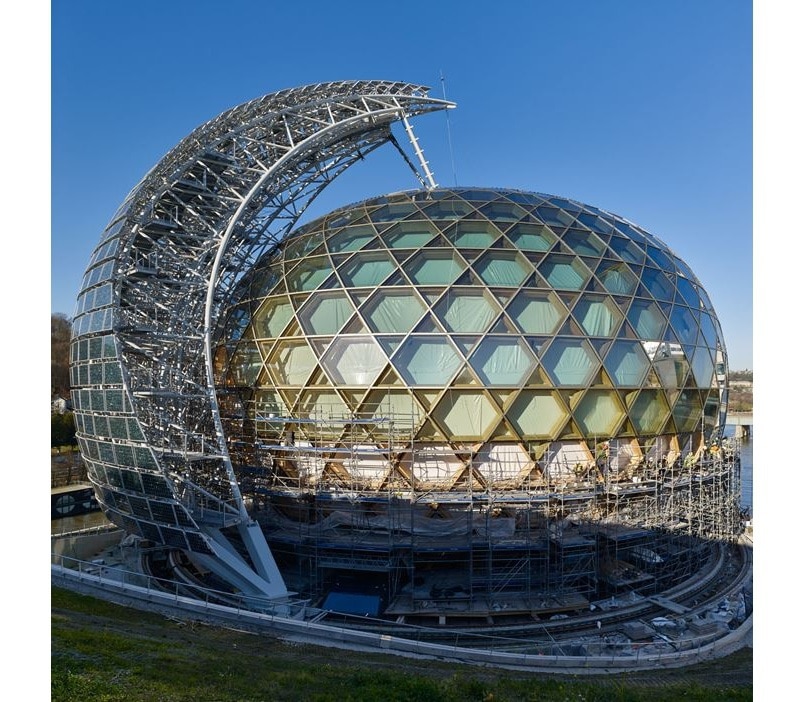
462	402
473	318
450	385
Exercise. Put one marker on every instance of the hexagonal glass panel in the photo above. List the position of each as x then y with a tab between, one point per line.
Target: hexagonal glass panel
711	413
537	312
271	317
684	324
393	212
551	215
427	360
647	319
308	274
465	415
503	212
571	361
350	238
583	243
325	313
291	362
626	249
500	360
473	235
617	278
702	367
537	415
531	237
658	285
627	363
410	235
649	412
595	223
687	411
301	246
367	269
598	413
466	311
688	292
448	208
502	268
393	311
265	278
354	360
598	316
435	267
662	259
564	273
709	331
236	323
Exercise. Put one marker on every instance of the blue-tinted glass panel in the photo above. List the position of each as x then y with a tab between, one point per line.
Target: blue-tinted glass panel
688	292
350	239
658	285
473	235
435	267
537	312
531	237
564	273
502	361
551	215
598	316
502	268
308	274
583	242
367	269
647	319
663	259
570	361
617	278
409	235
627	363
684	324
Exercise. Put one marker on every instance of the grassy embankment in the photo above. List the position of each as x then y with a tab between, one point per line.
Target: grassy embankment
100	651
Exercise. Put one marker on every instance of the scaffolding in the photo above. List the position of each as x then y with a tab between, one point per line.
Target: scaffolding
350	502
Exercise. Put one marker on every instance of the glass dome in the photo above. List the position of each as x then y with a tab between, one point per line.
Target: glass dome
476	316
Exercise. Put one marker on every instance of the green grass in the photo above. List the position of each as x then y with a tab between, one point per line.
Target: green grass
101	651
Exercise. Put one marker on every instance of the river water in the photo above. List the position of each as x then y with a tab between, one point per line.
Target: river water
747	475
747	468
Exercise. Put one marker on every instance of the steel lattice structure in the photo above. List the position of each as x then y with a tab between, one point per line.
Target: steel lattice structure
167	263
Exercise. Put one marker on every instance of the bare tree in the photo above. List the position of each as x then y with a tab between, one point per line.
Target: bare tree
60	332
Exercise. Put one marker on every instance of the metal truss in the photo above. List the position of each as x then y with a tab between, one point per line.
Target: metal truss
167	265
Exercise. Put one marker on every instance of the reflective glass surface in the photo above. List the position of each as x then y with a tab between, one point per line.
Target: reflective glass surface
484	313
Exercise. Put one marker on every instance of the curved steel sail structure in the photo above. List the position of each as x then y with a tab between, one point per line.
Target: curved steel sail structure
167	265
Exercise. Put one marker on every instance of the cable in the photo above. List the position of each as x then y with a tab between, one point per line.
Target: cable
449	137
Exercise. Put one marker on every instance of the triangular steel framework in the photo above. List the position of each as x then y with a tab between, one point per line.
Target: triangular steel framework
166	266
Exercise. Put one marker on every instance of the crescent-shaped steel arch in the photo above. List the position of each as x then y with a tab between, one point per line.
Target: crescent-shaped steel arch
146	409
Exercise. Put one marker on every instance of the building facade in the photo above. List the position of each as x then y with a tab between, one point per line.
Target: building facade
470	398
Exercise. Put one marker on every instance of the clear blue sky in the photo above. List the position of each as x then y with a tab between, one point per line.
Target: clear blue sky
641	108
